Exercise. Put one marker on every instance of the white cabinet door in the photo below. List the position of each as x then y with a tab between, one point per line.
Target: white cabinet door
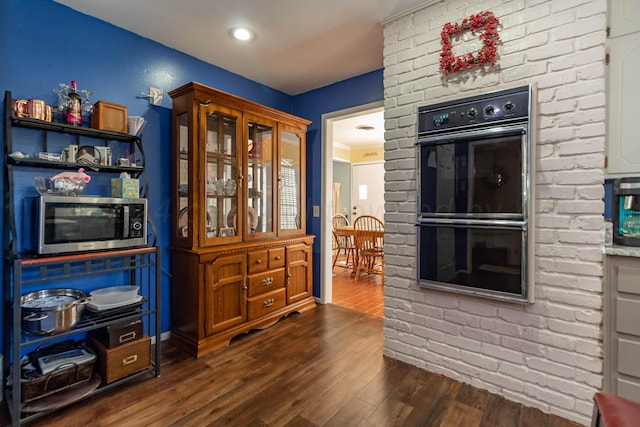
624	17
623	133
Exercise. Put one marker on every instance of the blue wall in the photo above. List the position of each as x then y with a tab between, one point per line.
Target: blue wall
44	43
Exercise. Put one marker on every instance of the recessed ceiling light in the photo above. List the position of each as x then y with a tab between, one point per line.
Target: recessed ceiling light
365	127
243	34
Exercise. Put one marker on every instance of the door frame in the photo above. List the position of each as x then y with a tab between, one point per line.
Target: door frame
326	201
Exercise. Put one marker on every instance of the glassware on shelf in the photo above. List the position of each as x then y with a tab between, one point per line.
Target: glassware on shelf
59	186
230	186
71	98
219	186
631	225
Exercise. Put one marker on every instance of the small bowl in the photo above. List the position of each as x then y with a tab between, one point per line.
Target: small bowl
114	294
59	186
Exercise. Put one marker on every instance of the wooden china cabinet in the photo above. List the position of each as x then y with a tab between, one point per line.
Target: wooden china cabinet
240	257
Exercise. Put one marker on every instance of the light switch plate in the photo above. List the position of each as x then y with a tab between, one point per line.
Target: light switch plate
155	96
316	211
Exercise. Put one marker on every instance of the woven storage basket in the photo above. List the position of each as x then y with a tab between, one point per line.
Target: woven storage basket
61	378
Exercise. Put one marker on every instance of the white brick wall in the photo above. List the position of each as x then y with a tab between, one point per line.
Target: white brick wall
549	354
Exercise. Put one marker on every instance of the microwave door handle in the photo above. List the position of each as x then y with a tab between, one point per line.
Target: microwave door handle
125	222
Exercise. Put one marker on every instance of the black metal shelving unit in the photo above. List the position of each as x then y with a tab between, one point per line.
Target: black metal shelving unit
24	272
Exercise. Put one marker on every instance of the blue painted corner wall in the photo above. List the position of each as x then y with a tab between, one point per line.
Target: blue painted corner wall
44	43
364	89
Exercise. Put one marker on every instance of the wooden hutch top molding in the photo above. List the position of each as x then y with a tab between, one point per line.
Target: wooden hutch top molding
207	95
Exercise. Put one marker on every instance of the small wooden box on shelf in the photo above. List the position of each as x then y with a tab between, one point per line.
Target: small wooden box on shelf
119	333
124	360
109	116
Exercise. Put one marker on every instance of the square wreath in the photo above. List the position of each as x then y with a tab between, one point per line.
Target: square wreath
489	37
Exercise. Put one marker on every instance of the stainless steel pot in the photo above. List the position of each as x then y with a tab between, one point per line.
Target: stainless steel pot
51	311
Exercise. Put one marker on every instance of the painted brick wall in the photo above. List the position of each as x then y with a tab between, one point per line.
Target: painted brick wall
549	354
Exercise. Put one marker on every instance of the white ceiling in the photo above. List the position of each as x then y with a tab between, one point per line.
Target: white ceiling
347	136
300	45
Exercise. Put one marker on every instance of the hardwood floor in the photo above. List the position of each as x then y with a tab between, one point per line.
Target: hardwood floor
323	367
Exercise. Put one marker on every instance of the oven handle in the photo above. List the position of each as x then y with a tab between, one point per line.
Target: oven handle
493	132
495	224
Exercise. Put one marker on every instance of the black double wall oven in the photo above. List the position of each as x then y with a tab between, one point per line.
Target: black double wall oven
474	218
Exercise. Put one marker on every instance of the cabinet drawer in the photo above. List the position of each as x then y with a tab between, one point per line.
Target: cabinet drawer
628	280
258	261
124	360
628	356
266	282
266	303
276	258
629	389
628	316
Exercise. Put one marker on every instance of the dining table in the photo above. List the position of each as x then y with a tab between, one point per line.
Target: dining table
350	231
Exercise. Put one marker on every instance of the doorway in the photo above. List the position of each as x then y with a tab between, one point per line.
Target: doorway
328	122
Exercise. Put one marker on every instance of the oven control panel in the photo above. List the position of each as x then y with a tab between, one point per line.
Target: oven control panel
495	107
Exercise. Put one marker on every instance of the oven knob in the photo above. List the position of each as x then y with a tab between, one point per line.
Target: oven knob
489	110
509	106
472	112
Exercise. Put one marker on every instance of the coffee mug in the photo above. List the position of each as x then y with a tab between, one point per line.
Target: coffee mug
21	108
33	108
48	113
37	109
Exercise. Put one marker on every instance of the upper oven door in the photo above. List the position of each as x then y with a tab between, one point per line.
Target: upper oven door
474	174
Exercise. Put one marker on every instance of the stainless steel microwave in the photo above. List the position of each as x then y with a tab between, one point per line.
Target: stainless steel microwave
59	224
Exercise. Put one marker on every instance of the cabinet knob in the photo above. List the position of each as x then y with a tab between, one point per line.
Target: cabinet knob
258	261
277	257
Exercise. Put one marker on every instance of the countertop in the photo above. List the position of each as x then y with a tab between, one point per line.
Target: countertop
619	250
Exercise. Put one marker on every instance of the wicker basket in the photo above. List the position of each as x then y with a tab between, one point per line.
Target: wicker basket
61	378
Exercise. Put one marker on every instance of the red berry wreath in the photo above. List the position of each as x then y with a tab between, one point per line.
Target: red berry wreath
489	38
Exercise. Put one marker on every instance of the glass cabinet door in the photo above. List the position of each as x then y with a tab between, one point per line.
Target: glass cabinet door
182	174
260	178
291	181
221	177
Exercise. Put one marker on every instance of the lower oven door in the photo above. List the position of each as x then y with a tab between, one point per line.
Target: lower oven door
480	258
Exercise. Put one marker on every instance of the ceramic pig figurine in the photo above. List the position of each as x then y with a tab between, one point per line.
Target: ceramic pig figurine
74	176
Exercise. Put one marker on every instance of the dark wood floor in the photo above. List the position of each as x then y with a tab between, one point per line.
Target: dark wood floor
323	367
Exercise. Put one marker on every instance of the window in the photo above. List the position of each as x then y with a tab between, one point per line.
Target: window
289	198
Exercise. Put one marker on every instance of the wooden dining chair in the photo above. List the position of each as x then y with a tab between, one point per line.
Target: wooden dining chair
342	244
369	242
